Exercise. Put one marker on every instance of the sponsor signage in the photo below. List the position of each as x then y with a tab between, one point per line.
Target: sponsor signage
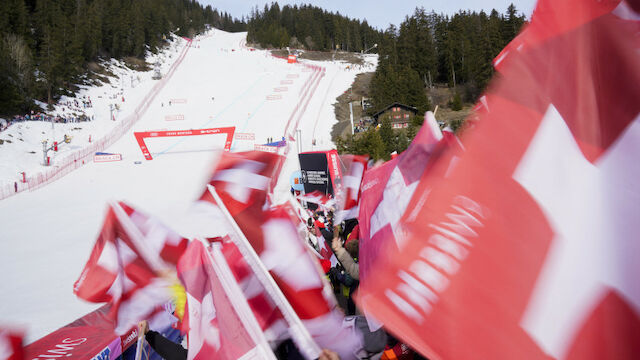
140	136
266	148
286	82
104	157
274	97
293	76
174	117
281	89
178	101
245	136
315	172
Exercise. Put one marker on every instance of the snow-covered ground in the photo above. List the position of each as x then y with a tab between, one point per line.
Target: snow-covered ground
46	235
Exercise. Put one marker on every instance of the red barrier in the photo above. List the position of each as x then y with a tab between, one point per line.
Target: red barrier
140	136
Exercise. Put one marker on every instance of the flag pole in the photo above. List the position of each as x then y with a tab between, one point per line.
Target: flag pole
299	333
239	303
139	345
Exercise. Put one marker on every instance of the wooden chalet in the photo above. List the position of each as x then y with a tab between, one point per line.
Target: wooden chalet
398	114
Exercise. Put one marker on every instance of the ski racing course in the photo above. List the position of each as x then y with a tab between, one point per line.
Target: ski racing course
48	233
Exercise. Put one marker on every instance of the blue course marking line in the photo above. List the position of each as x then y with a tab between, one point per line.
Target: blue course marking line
244	126
215	117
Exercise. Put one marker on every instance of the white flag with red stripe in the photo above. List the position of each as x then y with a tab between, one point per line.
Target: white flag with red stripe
220	322
527	247
128	266
11	345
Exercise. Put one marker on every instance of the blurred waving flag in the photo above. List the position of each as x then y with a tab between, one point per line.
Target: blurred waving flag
282	255
386	191
348	196
317	197
220	322
526	247
130	266
11	345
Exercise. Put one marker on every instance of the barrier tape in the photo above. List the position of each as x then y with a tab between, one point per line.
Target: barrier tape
77	159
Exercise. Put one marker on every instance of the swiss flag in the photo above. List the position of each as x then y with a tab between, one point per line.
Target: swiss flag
221	325
11	345
349	192
386	191
127	266
317	197
264	309
274	238
526	248
242	179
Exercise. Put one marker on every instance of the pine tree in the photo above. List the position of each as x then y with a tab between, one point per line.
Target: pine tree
387	136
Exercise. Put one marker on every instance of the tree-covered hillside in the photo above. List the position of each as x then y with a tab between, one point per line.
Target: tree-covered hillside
45	45
309	27
430	48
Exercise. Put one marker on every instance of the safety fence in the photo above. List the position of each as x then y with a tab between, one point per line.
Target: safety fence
78	158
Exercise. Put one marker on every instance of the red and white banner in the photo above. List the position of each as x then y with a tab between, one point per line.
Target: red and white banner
178	101
286	82
245	136
174	117
280	89
527	247
11	345
107	157
140	136
220	323
274	97
127	265
293	76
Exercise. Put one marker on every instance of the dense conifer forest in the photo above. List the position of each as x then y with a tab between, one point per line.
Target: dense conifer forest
46	45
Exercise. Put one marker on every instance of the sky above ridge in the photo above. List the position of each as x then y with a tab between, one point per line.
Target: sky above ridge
378	14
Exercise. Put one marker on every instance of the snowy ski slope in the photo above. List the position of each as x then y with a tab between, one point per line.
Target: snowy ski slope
47	235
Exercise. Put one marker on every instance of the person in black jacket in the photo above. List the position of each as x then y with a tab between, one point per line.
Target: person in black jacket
161	345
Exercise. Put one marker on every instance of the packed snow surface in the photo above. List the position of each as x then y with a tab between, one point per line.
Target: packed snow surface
46	235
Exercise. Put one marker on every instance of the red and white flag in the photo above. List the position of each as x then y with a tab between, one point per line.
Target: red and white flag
527	248
11	345
220	323
386	191
275	240
317	197
348	196
266	312
128	266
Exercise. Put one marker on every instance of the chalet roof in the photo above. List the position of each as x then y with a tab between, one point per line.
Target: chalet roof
395	104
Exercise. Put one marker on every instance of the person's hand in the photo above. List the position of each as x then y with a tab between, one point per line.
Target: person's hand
143	327
335	243
328	355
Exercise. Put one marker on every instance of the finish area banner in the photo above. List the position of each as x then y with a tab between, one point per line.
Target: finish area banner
140	136
320	171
